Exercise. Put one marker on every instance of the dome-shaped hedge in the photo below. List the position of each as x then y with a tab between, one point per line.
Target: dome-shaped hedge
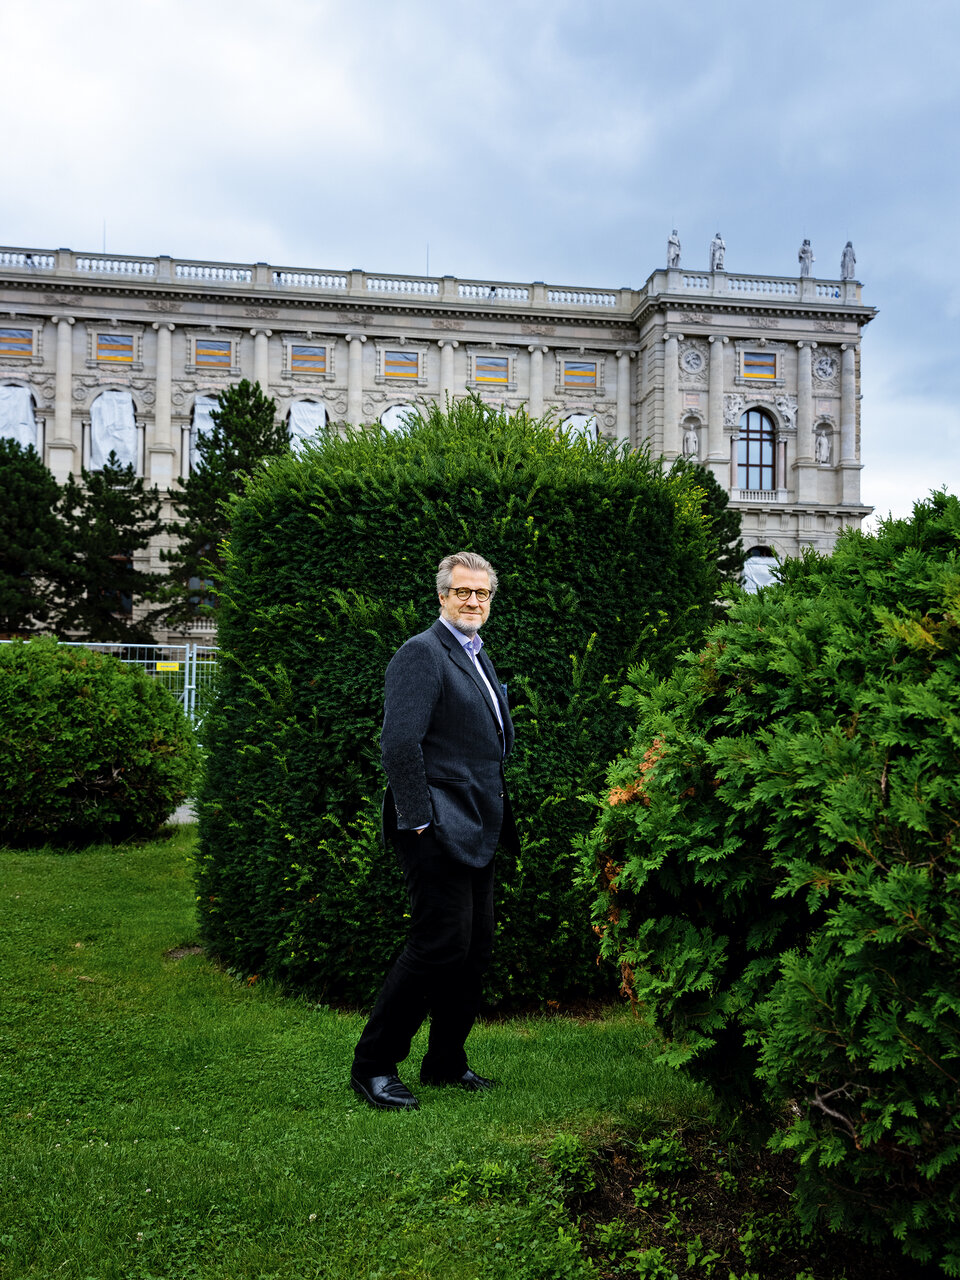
89	748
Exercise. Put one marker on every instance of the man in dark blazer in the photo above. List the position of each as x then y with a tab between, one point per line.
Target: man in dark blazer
446	733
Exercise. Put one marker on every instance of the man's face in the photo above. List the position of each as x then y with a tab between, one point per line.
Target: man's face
467	615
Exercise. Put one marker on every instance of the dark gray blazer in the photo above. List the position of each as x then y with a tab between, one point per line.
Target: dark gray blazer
443	749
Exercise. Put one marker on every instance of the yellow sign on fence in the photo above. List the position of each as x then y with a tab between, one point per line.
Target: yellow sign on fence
168	666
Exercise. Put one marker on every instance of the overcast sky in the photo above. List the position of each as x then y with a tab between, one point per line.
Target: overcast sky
520	140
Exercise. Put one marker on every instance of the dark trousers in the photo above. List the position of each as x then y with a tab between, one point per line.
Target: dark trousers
440	970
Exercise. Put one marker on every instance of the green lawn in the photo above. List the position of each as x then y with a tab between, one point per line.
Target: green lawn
161	1119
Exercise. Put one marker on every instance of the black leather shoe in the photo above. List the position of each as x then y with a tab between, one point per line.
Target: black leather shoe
386	1093
469	1080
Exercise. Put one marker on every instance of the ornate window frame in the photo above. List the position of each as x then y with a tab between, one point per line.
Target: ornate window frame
17	359
112	329
748	347
329	373
488	351
215	370
419	349
580	356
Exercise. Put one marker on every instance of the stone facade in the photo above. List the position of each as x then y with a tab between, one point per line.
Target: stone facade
692	363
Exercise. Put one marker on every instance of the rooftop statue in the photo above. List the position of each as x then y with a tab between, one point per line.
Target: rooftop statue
848	262
717	250
806	258
673	249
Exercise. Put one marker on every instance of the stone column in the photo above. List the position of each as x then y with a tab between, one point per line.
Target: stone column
623	394
671	396
805	466
62	449
849	461
261	358
716	458
447	347
355	343
848	404
161	452
535	402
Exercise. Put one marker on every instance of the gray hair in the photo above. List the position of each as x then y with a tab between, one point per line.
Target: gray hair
467	560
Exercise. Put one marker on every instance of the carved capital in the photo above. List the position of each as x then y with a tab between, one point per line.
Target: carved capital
63	319
164	325
355	337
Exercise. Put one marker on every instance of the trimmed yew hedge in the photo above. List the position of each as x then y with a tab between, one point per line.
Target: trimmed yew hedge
330	567
778	863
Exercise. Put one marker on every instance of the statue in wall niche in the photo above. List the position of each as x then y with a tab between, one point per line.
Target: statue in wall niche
691	441
848	262
822	452
673	249
717	250
806	258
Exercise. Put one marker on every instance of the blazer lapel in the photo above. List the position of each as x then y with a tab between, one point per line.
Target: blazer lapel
456	651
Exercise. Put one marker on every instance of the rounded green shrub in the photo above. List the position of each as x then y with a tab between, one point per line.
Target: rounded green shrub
89	748
778	860
330	568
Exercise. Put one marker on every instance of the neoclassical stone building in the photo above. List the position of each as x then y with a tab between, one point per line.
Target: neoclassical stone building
757	376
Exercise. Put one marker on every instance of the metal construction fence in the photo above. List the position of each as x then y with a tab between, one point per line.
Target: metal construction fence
187	670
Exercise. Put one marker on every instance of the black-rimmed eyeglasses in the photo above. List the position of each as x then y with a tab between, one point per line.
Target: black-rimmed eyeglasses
464	593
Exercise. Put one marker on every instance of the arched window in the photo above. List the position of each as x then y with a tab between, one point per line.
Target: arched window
398	417
305	421
758	569
755	452
201	424
17	418
113	428
580	424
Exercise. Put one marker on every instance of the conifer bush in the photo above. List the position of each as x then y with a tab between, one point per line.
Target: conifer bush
90	749
778	867
330	566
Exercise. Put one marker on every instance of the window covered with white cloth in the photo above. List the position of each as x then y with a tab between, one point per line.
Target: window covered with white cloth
17	420
398	417
580	424
758	571
202	423
306	420
113	426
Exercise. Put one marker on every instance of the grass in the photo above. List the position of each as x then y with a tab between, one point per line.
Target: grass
163	1121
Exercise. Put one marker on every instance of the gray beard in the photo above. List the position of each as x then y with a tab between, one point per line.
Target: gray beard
467	628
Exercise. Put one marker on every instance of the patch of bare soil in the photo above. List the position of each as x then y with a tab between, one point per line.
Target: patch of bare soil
689	1207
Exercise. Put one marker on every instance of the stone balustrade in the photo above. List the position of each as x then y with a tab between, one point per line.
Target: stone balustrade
117	266
262	278
397	284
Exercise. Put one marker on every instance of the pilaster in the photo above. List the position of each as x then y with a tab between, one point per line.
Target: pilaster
716	457
160	452
623	394
62	449
536	380
671	396
355	343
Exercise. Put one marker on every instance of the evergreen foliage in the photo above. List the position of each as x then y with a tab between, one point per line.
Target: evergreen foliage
724	521
245	431
33	553
89	748
108	517
330	566
779	871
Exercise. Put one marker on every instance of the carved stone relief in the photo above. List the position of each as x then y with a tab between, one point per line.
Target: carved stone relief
828	326
161	304
693	359
733	407
261	313
787	408
763	322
